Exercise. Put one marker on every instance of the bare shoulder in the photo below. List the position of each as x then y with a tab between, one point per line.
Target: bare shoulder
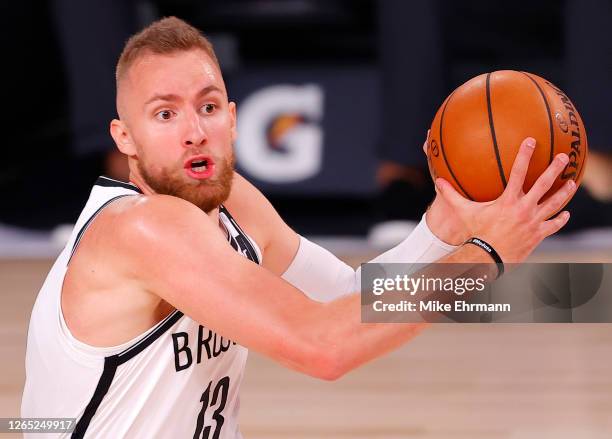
110	267
138	224
150	218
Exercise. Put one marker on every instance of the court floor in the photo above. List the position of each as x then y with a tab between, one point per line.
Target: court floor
454	381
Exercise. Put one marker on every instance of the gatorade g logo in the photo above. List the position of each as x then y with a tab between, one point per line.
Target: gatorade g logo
280	140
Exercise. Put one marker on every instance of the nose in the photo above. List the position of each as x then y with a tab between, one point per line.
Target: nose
195	131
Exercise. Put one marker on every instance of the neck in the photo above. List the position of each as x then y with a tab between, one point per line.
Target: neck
142	185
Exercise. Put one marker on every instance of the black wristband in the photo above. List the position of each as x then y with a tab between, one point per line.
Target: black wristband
491	251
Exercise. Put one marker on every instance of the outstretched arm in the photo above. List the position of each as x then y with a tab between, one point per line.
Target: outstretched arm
175	252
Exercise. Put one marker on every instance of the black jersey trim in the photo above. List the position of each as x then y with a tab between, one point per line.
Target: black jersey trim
104	182
109	182
110	367
146	341
88	222
242	239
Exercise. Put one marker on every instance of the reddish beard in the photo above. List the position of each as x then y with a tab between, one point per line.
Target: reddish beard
207	194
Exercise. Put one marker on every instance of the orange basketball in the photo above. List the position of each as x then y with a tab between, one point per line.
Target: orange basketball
477	132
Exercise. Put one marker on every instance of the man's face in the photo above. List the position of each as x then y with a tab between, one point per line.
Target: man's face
182	127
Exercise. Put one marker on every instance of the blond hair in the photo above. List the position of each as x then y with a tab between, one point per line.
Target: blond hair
165	36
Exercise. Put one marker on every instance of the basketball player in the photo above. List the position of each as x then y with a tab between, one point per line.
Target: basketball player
141	328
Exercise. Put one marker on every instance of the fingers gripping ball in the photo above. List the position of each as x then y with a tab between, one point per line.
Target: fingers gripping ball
478	130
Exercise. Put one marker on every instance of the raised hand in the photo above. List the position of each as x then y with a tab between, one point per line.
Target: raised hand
442	219
516	222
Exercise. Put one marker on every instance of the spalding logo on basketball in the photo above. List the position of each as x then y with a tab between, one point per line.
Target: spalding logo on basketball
480	126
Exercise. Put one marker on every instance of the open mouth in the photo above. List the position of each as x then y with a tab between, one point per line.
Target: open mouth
199	167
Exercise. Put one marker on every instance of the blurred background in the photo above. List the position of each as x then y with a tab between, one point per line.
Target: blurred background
334	100
334	97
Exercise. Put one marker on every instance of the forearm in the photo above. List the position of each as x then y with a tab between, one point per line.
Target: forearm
351	343
323	277
354	343
421	246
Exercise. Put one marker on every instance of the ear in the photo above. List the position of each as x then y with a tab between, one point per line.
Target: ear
232	111
122	138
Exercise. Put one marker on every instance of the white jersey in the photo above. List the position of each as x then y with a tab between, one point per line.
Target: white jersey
178	379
